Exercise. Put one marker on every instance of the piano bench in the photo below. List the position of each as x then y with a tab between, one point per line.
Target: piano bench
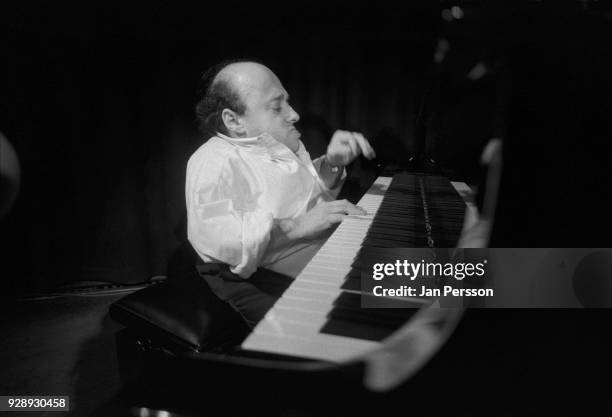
179	318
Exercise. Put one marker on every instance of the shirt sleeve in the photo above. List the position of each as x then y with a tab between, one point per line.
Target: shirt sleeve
223	221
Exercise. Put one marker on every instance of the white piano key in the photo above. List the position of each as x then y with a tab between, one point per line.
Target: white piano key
316	287
292	326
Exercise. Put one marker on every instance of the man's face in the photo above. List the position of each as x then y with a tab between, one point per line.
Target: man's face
267	106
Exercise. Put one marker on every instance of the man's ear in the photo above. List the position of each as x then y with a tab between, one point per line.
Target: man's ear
233	122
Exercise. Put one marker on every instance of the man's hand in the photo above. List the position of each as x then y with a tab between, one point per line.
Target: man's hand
317	220
346	146
323	216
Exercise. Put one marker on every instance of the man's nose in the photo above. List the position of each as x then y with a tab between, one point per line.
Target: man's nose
293	116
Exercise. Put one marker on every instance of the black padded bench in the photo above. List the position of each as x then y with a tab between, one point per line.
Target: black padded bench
185	317
181	314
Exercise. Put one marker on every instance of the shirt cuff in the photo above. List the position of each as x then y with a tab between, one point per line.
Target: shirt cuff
330	175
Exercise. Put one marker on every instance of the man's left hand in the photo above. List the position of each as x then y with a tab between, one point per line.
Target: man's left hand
345	146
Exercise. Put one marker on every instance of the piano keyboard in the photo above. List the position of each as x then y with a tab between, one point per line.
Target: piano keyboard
319	315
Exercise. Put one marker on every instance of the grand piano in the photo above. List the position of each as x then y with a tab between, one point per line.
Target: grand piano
320	316
317	350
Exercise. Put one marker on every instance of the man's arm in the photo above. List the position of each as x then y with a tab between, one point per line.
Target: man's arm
311	224
240	238
331	175
343	148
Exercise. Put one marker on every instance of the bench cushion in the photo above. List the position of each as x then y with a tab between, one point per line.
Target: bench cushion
186	314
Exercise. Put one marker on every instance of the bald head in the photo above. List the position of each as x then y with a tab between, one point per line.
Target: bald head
247	78
246	99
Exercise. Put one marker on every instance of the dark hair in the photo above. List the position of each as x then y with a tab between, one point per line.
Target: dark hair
215	95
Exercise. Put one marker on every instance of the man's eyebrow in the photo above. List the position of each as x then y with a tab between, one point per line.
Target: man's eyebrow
279	96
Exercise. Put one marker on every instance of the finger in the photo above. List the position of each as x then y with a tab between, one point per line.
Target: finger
346	141
355	149
345	206
365	146
339	136
338	205
335	218
354	210
343	148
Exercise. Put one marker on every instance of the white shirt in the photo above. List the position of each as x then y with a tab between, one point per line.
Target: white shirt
235	188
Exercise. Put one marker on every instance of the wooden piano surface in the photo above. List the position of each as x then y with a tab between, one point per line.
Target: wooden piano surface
301	323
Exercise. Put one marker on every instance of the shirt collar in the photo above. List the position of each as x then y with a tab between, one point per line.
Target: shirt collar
265	143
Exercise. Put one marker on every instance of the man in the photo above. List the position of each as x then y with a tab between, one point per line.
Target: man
254	197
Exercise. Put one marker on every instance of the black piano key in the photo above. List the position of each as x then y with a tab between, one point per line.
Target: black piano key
394	307
400	222
392	243
399	234
348	319
378	317
362	331
351	284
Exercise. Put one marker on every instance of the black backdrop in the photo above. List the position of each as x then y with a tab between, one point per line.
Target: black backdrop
98	100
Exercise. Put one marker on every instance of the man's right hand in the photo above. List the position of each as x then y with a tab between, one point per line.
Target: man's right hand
323	216
314	222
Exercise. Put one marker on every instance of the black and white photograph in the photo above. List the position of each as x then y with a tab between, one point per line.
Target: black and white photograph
303	209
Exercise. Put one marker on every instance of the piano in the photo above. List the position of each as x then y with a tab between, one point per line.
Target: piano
320	316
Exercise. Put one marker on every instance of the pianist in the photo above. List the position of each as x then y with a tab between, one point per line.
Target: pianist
258	207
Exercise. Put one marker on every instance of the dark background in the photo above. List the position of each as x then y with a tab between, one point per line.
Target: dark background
98	102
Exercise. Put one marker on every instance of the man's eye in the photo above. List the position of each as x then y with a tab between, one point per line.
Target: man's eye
276	109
